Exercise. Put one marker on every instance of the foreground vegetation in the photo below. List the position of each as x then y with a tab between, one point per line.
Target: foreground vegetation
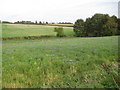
60	63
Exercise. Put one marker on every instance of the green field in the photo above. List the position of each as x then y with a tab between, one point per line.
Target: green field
21	30
58	62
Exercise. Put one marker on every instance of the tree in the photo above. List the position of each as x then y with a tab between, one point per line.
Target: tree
79	28
118	22
97	25
104	25
115	18
40	22
36	22
110	27
88	27
46	22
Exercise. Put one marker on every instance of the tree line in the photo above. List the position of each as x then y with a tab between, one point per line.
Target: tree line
36	22
30	22
64	23
97	25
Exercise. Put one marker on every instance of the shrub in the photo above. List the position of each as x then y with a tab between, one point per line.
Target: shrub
60	32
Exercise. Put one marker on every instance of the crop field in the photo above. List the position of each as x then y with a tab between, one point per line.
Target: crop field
65	25
20	30
69	62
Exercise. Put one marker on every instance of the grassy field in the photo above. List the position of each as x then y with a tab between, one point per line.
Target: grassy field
20	30
64	25
58	62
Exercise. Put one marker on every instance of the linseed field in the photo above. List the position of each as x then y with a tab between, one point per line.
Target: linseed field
67	62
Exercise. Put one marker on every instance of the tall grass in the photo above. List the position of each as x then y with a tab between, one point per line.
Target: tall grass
61	63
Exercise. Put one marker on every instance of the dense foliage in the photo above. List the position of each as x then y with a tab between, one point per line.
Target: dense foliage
118	21
79	27
97	25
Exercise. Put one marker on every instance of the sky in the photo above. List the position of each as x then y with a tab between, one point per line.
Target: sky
55	10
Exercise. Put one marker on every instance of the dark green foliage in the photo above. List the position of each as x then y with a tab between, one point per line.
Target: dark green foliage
60	32
97	25
6	22
118	21
115	18
30	22
24	22
46	22
79	28
110	27
40	22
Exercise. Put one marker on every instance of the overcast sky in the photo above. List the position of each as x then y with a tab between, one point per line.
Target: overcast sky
55	10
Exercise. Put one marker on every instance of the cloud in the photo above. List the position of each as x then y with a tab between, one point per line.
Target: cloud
55	10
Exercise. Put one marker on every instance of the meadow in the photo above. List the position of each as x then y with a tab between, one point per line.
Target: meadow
70	62
21	30
67	62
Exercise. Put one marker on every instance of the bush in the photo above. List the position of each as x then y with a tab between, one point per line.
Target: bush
60	32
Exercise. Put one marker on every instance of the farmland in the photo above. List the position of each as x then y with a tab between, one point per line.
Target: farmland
69	62
20	30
